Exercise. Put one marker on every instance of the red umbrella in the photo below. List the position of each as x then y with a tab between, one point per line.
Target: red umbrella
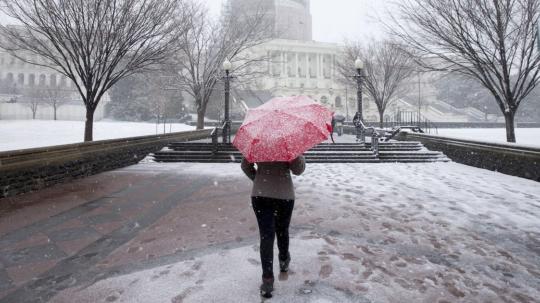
283	129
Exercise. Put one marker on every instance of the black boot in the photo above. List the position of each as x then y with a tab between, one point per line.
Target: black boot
284	264
267	287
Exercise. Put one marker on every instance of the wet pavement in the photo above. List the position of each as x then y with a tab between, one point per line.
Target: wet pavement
360	233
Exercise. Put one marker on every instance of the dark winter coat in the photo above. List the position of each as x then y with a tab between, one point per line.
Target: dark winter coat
273	179
357	121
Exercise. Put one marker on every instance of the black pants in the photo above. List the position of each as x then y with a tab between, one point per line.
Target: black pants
273	217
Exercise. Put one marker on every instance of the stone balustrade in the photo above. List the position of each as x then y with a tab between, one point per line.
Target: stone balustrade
510	159
29	170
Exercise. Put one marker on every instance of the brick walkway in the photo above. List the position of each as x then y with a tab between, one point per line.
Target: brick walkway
77	232
68	243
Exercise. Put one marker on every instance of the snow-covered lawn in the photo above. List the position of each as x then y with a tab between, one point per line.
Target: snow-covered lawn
20	134
524	136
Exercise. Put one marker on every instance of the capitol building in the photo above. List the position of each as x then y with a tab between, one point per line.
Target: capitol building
297	64
305	68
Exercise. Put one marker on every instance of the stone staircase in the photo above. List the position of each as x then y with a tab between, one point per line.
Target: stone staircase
393	151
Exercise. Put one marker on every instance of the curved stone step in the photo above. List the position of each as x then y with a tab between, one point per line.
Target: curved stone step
389	152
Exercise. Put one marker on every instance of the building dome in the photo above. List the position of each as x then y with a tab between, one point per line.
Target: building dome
291	18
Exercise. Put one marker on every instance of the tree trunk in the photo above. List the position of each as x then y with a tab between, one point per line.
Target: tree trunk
201	111
34	114
200	119
509	118
54	108
89	124
381	119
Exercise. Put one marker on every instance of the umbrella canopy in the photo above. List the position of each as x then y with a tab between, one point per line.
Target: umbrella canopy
283	129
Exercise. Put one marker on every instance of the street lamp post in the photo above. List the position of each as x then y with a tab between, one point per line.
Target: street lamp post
419	96
346	103
227	66
359	65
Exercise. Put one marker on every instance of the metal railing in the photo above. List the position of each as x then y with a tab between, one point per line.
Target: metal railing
396	130
215	134
410	118
375	144
375	133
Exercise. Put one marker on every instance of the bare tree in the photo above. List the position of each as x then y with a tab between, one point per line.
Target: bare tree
95	43
32	98
208	43
492	41
136	98
56	97
166	99
386	67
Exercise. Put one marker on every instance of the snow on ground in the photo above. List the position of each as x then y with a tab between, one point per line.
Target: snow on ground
434	233
524	136
21	134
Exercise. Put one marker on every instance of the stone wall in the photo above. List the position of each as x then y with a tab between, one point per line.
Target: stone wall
33	169
456	124
483	125
510	159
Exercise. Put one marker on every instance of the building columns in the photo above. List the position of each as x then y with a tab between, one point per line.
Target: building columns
296	73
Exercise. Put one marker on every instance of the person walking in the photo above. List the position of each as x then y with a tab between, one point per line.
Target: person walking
340	119
273	199
333	123
357	122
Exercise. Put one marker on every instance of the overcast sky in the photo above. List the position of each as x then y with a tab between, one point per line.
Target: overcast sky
336	20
